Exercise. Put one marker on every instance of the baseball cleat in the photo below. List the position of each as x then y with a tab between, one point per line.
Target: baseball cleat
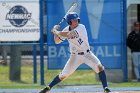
45	90
106	90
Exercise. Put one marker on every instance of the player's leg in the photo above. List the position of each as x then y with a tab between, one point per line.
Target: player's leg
92	61
71	65
102	76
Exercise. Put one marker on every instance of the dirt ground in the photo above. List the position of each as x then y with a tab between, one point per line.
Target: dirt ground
81	92
101	92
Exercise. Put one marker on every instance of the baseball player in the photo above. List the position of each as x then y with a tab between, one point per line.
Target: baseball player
76	35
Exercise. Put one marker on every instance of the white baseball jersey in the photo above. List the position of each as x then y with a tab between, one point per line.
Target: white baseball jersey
80	51
78	43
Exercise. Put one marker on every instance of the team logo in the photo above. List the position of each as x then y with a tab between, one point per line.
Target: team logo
18	16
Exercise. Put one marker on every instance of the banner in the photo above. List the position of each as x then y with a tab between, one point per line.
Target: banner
103	21
19	20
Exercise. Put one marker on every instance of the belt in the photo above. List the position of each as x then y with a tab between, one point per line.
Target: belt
82	53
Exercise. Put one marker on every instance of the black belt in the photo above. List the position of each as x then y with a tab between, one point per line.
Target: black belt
82	53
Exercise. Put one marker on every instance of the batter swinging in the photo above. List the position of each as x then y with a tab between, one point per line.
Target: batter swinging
76	35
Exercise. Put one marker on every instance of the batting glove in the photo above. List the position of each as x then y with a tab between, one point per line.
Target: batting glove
57	27
54	31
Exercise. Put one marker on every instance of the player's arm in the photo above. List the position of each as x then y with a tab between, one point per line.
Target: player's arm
57	39
59	36
64	34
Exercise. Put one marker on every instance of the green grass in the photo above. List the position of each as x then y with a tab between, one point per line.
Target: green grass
79	77
126	84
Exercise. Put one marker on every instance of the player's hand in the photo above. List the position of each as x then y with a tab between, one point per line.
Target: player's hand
57	27
53	31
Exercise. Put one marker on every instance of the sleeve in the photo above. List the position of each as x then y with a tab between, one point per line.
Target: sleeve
61	37
129	42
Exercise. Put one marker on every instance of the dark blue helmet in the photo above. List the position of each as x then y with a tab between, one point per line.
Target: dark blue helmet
72	16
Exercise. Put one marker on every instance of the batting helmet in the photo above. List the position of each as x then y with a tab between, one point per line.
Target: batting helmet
72	16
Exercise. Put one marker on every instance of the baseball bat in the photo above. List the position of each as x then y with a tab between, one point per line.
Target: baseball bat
71	9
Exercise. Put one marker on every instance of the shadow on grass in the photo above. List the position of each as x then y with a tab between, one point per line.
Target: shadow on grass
20	81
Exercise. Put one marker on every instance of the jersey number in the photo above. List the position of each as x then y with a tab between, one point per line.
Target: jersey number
80	41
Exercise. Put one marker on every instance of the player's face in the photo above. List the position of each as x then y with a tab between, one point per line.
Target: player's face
74	23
